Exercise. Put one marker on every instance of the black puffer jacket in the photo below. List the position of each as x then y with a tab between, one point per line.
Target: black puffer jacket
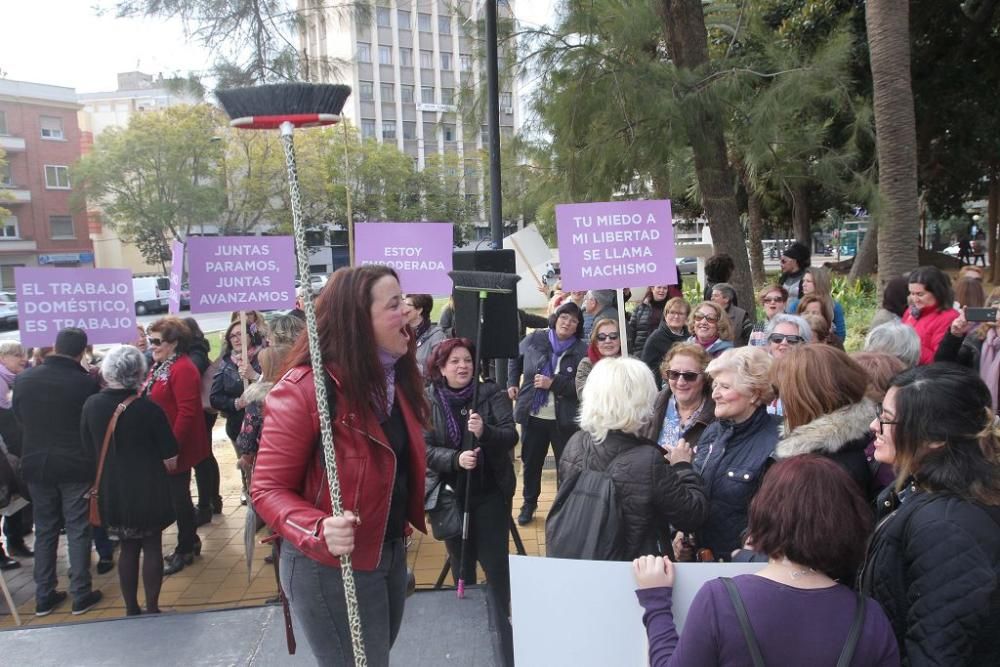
499	437
651	493
659	343
533	353
961	350
732	458
934	566
645	320
841	436
227	386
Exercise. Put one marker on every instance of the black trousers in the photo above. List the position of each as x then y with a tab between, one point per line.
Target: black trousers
489	528
206	473
536	436
180	495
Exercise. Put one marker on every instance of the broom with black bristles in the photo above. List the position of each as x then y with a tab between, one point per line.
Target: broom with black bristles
483	283
285	107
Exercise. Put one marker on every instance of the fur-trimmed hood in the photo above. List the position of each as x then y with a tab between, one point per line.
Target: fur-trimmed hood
257	392
830	433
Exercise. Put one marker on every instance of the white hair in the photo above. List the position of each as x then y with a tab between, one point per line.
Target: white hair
895	339
750	366
11	347
124	367
805	331
618	396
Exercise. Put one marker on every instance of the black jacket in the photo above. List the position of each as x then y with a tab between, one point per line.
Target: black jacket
693	433
48	400
645	320
135	486
652	494
657	346
934	566
841	436
533	353
227	386
198	351
732	458
499	438
961	350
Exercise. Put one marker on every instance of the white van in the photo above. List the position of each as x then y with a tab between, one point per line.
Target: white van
151	294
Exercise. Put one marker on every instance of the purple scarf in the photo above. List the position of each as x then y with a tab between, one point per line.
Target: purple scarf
989	363
450	399
388	361
559	348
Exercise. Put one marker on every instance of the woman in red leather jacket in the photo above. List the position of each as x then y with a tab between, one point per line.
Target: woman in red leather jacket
379	415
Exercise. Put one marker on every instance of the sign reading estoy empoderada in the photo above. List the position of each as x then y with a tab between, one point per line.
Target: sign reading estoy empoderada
612	245
420	252
241	273
176	277
99	301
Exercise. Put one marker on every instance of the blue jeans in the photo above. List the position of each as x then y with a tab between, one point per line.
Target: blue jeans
315	593
52	502
105	547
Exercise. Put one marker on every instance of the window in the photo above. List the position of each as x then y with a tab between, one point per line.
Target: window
409	129
444	25
6	178
406	94
447	96
383	17
367	129
465	62
364	52
449	132
445	60
387	92
367	92
52	127
3	122
427	59
388	129
505	100
9	230
403	18
56	177
61	227
406	57
424	22
427	94
385	55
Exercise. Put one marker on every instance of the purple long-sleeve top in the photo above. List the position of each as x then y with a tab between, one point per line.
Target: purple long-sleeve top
793	626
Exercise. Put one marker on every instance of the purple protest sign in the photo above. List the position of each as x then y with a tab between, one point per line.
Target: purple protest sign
616	244
420	252
99	301
241	273
176	277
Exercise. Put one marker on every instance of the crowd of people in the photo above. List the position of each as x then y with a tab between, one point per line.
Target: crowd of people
866	484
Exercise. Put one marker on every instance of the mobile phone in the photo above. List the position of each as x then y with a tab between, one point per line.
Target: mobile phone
981	314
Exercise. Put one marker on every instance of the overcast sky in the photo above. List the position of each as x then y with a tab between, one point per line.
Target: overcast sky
65	43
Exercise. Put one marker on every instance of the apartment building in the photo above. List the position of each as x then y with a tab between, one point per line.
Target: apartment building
408	65
41	138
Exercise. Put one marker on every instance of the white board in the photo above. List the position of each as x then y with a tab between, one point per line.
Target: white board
585	613
531	253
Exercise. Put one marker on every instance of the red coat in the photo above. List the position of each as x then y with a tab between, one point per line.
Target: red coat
290	489
931	326
180	397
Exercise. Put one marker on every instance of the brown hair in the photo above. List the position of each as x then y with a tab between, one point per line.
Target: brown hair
772	288
825	306
693	350
815	380
272	361
600	323
724	325
969	293
424	303
347	342
810	511
819	326
882	368
173	330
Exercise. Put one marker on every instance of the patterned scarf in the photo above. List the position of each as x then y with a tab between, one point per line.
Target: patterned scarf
388	361
559	348
159	372
450	399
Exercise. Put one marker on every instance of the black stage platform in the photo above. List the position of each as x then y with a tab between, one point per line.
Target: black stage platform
438	629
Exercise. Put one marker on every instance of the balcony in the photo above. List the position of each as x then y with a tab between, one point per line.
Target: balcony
17	245
11	144
11	196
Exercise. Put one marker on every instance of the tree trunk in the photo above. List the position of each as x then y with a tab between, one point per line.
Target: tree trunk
687	42
896	137
801	223
755	227
993	222
867	255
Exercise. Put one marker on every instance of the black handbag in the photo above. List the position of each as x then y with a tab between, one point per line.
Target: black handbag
443	512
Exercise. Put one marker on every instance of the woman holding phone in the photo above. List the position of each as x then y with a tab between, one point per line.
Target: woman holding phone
976	347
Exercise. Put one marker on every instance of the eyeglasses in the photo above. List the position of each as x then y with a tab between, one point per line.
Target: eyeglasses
155	341
773	299
779	338
882	423
677	312
698	317
235	338
601	337
689	376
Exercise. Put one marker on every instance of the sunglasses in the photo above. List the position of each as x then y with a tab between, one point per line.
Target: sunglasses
601	337
155	341
689	376
779	338
774	299
698	317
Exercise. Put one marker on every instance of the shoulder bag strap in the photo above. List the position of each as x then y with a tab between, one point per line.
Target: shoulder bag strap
107	437
854	635
741	614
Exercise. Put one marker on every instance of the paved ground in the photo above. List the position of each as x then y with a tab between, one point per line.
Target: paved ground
218	579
